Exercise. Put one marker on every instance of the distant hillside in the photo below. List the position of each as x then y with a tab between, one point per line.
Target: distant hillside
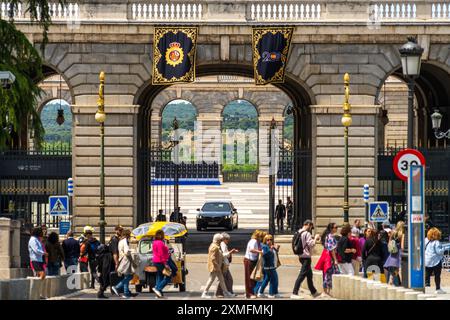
53	131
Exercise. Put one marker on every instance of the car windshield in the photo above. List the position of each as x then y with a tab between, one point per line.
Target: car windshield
216	207
145	247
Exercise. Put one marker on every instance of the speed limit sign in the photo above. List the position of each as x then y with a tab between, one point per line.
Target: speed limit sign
406	158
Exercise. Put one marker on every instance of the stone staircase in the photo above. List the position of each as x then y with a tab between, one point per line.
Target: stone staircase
250	199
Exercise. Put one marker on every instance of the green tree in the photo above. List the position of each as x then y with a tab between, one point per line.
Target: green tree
20	57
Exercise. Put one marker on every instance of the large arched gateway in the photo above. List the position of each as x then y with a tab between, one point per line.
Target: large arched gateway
293	169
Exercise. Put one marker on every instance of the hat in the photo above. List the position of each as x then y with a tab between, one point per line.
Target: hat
88	228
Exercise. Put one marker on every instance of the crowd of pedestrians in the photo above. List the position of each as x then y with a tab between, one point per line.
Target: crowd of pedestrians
346	250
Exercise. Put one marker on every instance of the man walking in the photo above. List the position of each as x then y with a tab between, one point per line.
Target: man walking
114	245
71	250
289	209
307	244
280	214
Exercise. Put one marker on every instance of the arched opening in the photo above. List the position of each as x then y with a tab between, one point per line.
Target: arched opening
431	92
240	142
56	118
150	97
184	114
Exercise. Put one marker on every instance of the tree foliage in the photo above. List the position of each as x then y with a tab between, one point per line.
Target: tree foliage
20	57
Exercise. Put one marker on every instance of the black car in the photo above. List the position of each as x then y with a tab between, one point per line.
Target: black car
217	214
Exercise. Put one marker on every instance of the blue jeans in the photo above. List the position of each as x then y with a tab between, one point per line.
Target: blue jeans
172	266
161	280
73	261
270	276
53	268
125	284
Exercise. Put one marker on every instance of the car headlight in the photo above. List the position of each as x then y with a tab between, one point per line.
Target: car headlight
199	217
227	217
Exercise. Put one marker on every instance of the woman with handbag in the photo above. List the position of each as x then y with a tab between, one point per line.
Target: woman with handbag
372	254
227	257
396	244
161	257
270	264
328	262
250	261
125	266
215	267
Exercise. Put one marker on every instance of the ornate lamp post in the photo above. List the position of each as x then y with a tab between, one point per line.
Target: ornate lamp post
273	126
411	56
175	140
436	119
100	117
346	122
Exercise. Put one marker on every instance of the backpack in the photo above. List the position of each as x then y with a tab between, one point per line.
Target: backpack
297	245
392	246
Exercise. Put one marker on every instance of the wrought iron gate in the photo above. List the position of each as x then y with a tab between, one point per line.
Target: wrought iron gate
437	197
28	178
292	180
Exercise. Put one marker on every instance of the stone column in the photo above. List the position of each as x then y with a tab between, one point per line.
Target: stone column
120	166
328	161
263	148
208	143
155	129
9	248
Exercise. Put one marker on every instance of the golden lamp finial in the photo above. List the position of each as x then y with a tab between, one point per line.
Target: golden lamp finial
347	117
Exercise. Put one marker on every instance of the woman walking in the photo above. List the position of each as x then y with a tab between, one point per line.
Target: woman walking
55	254
270	264
328	262
434	253
396	244
216	267
161	257
346	251
372	253
124	269
251	258
227	257
37	253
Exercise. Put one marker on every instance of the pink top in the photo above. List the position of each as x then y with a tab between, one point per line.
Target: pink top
160	252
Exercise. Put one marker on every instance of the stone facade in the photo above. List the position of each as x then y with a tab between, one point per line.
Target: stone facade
320	55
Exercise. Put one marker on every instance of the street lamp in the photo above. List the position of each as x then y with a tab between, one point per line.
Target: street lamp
436	119
100	117
175	140
272	167
411	55
346	122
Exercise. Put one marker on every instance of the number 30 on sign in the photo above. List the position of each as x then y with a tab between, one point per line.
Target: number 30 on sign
406	158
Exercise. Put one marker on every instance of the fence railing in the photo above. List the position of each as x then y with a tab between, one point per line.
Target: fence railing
194	11
69	11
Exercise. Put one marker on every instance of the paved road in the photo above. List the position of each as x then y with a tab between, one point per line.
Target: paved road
197	278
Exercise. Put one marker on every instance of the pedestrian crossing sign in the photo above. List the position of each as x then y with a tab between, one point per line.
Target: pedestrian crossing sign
59	205
378	211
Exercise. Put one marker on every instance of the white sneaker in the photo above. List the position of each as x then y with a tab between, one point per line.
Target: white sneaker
229	295
296	296
205	296
278	296
115	291
440	291
271	296
260	295
157	292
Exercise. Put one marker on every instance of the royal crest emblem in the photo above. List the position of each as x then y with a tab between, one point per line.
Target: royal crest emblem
174	55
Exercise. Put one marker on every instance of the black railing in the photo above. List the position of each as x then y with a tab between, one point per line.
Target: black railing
28	178
437	174
240	176
166	170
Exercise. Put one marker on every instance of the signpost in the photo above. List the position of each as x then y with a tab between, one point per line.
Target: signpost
366	202
64	227
416	226
406	158
378	211
59	205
